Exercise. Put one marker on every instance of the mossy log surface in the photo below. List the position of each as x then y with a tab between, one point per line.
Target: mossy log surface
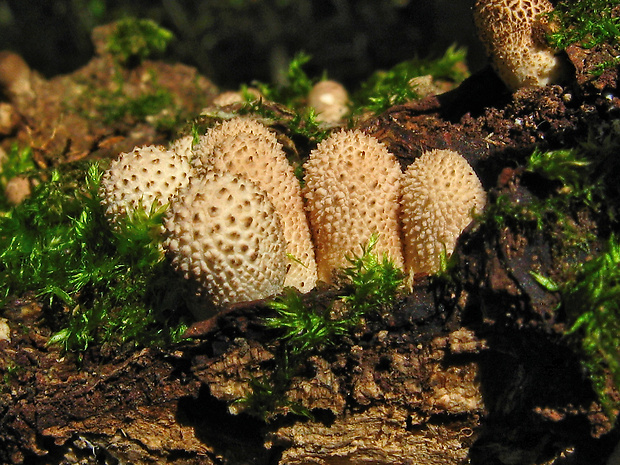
467	370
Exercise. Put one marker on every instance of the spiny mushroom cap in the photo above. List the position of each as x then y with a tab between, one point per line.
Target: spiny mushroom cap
440	190
512	32
352	191
246	147
145	176
330	100
223	232
183	147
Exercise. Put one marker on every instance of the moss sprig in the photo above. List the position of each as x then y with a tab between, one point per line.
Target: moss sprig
370	284
297	84
393	87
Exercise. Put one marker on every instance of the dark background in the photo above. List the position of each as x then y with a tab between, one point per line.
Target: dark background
236	41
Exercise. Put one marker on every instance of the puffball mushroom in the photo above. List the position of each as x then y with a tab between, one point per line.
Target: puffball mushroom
330	100
17	190
440	191
352	191
246	147
15	75
145	176
222	231
512	33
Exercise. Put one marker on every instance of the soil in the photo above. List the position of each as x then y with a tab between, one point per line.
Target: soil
473	369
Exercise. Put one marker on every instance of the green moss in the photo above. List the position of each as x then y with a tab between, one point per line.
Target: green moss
370	284
297	84
100	284
387	88
580	179
117	106
586	22
592	304
136	39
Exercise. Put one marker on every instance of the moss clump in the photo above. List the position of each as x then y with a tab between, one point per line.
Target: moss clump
133	40
592	303
582	180
297	84
393	87
586	22
370	284
118	106
100	284
292	94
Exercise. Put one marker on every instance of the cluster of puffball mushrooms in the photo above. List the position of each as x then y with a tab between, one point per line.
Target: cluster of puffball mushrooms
239	223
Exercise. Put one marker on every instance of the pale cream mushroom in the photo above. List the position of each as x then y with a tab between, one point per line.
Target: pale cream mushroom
223	232
330	101
245	146
440	193
147	176
352	192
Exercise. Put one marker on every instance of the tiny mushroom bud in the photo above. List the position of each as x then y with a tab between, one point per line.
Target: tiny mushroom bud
145	176
440	191
512	33
330	100
231	97
17	189
14	75
223	232
352	192
246	147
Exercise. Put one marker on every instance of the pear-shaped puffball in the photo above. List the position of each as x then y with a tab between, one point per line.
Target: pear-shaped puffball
330	101
145	176
512	33
440	191
244	146
352	192
222	231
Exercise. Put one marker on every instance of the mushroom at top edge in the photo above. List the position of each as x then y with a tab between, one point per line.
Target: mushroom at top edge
512	32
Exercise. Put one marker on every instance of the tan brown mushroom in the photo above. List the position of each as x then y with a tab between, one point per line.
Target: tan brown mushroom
15	75
440	192
513	34
223	232
352	192
245	146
